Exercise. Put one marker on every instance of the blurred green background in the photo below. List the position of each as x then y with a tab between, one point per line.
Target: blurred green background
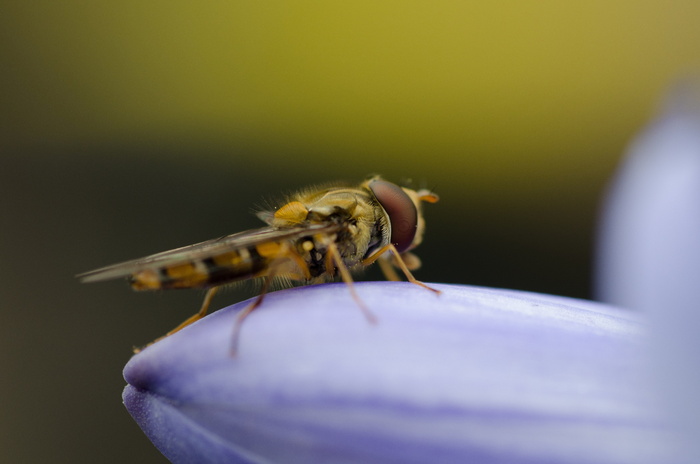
132	127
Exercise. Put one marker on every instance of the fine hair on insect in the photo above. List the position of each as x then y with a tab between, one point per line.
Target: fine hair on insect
315	236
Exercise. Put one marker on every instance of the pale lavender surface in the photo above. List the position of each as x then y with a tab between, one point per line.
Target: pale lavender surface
649	252
473	375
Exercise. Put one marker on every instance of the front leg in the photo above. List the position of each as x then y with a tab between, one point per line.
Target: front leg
389	273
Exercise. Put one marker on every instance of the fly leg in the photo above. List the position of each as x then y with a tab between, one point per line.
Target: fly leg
388	270
334	256
193	318
199	314
389	273
233	350
301	273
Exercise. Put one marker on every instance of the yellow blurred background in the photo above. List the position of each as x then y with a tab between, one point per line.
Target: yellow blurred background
464	92
132	127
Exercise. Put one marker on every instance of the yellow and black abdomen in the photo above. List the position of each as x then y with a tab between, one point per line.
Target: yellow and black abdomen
211	271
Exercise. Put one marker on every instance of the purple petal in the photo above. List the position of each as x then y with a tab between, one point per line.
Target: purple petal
650	252
650	233
472	375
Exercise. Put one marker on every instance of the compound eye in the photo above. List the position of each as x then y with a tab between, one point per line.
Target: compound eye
402	212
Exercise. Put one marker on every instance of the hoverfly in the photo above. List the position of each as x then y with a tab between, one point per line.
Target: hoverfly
317	234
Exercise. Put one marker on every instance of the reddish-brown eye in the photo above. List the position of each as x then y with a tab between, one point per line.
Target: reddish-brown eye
402	212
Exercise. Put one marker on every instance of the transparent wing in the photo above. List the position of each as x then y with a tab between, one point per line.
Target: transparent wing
205	250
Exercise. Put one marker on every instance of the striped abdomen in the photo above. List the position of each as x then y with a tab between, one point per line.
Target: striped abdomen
210	271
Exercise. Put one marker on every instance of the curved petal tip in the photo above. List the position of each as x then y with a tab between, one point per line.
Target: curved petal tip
471	375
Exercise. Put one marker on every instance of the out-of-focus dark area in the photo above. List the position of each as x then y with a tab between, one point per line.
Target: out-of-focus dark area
128	128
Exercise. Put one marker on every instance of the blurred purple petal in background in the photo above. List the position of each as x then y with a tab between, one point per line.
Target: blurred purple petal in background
472	375
649	254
